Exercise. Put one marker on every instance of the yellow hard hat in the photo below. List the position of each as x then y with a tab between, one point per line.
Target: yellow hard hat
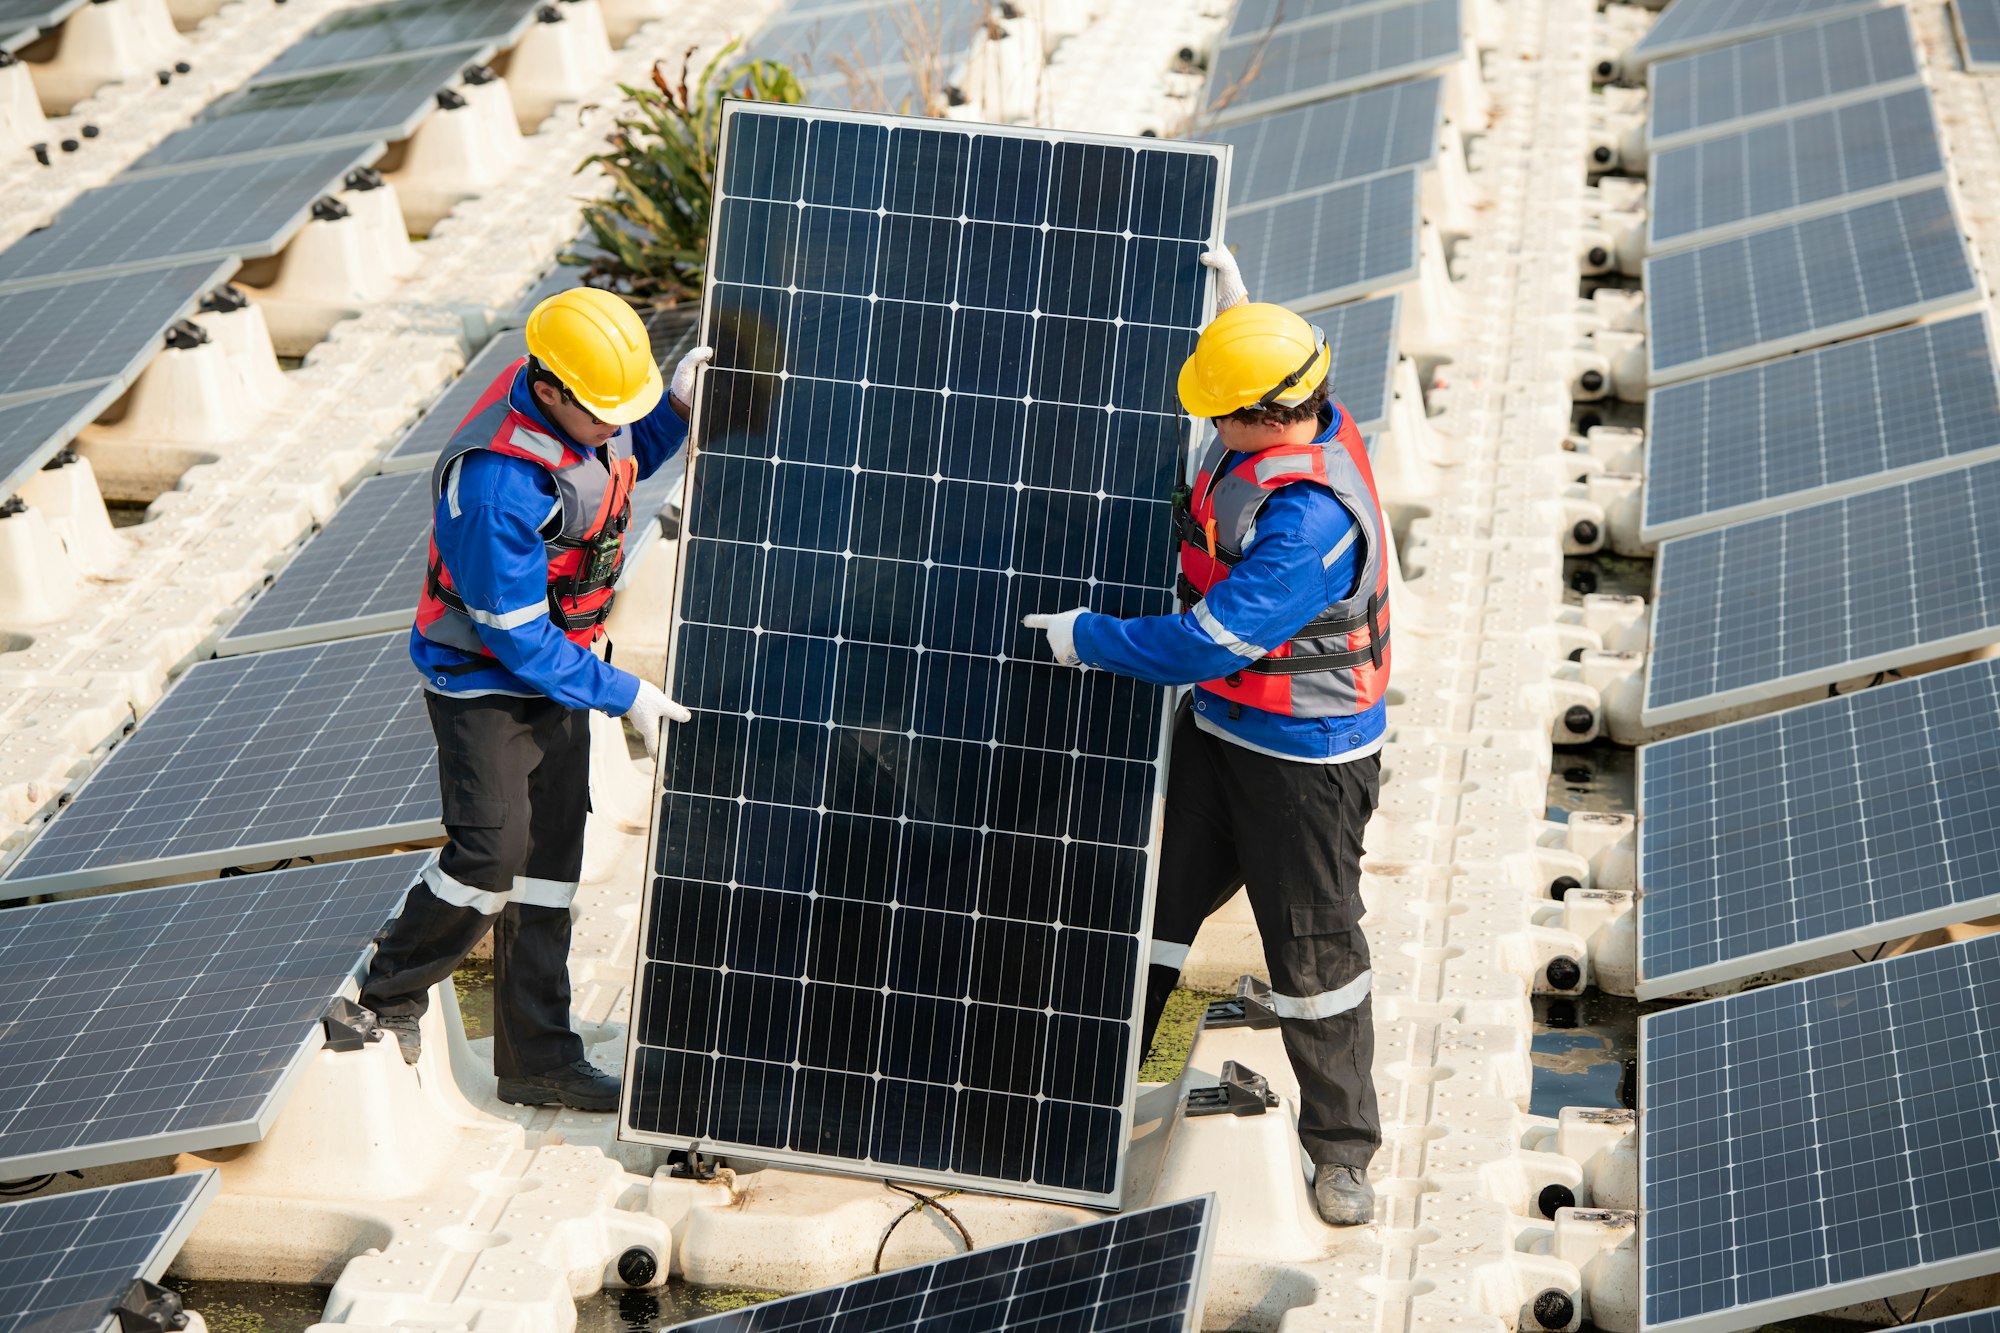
1254	354
595	344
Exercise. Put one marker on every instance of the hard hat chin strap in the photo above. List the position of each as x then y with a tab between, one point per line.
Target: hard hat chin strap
1270	399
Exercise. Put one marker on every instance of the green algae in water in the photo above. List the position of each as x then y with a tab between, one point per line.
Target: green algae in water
621	1310
252	1307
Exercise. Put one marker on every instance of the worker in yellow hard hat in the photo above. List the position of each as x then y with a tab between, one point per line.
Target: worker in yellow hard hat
1284	636
530	500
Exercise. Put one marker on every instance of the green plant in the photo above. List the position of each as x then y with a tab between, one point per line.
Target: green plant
649	240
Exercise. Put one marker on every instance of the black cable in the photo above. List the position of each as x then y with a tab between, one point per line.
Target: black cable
922	1201
16	1188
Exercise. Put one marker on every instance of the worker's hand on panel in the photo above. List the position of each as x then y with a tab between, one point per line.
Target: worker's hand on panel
1060	626
1229	288
682	388
649	710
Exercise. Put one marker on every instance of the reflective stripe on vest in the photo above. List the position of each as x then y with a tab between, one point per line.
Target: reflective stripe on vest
583	536
1337	665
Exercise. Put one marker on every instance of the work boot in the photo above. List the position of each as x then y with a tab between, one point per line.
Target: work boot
1343	1195
581	1087
407	1035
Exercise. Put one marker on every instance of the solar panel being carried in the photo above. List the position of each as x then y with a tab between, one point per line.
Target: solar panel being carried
1143	1272
474	28
1790	432
1978	25
1867	583
901	863
67	1260
106	1056
1696	25
1258	73
1733	87
1820	1142
1806	164
1343	138
242	209
1333	244
251	759
354	105
1835	825
1800	284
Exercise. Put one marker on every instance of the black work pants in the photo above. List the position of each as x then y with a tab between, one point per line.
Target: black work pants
515	779
1290	832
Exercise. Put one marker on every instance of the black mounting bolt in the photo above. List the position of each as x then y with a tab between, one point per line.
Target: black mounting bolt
1601	155
1565	973
1554	1309
70	145
1585	531
1578	719
548	14
477	74
1592	381
182	67
1187	55
41	152
184	335
1554	1198
326	208
8	58
1576	654
362	179
64	457
638	1266
165	76
1562	884
1606	69
224	299
450	99
13	505
91	131
1584	581
1599	257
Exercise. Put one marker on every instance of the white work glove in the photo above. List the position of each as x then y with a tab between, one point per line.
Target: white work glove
682	388
649	710
1061	629
1229	288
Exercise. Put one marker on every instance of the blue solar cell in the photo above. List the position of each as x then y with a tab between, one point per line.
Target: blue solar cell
67	1260
474	28
67	335
1727	447
1856	55
1835	825
1806	163
36	430
1362	339
246	210
1799	284
1782	603
249	759
1258	73
869	943
1820	1142
1139	1273
1332	244
94	1068
1694	25
1326	143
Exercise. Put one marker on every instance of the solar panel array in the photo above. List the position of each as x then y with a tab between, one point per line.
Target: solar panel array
1139	1273
1361	337
406	27
1817	595
419	448
873	54
1857	55
1326	143
359	104
22	19
1820	1142
1259	72
1332	244
901	860
1804	283
1978	24
66	1260
35	430
249	759
1806	163
1835	825
1695	25
1774	436
107	1056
